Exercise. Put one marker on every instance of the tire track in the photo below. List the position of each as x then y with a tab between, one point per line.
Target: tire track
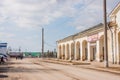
72	76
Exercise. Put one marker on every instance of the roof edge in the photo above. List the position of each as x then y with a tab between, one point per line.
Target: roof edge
114	9
100	24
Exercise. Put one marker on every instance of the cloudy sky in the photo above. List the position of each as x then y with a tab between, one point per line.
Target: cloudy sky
21	20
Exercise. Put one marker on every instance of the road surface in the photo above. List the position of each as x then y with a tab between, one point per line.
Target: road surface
26	69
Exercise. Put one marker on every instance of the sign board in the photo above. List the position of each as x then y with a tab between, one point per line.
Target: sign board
93	38
3	48
93	44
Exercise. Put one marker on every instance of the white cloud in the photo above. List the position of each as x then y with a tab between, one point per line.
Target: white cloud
29	13
91	13
6	35
46	11
36	12
24	15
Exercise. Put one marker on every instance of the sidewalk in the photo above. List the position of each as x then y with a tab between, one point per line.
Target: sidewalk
99	66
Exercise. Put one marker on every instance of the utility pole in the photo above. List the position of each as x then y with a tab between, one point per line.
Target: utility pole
42	42
105	34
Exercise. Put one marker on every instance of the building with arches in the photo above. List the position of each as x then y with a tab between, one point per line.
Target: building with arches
88	45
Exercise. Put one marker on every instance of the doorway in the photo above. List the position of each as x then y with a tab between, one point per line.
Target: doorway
93	51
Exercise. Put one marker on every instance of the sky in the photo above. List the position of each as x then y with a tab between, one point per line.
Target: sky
21	21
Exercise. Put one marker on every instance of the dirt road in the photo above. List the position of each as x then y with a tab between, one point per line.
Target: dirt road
26	69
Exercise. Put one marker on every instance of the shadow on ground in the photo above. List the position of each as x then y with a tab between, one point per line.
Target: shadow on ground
19	63
115	68
3	69
21	69
8	68
3	76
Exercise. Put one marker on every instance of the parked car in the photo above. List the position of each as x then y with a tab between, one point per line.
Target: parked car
4	56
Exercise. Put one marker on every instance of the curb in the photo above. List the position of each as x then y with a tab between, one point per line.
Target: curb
66	62
103	70
78	63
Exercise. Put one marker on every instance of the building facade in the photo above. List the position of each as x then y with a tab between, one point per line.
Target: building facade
3	48
88	45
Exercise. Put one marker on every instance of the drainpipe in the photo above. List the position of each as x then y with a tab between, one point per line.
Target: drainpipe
112	44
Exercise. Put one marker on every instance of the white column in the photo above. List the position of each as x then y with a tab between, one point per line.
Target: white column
62	52
81	51
115	46
118	60
75	57
89	54
118	50
98	50
58	52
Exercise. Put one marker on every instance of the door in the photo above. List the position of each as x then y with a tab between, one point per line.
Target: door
94	52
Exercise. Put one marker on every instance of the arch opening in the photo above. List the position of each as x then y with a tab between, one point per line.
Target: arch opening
72	51
102	48
85	50
68	52
60	55
78	54
63	55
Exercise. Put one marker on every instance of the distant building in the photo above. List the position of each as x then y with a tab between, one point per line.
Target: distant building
88	45
15	54
3	48
31	54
